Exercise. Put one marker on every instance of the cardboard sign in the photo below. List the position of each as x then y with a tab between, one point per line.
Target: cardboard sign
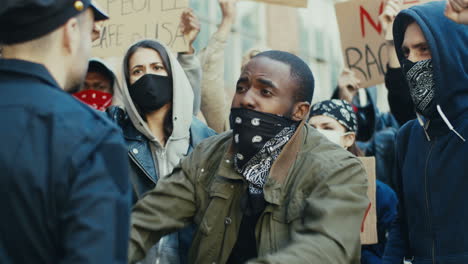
293	3
369	223
362	38
133	20
282	28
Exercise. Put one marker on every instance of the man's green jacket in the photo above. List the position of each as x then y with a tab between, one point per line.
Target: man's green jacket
315	193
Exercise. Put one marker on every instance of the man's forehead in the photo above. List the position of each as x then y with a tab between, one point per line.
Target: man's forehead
95	75
414	33
265	66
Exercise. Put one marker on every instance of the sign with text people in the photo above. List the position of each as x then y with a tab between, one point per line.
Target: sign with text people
133	20
362	38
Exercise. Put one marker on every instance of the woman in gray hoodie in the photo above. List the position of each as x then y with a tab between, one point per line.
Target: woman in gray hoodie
159	128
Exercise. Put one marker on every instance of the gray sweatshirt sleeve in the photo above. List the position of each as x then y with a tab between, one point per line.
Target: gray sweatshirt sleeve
192	68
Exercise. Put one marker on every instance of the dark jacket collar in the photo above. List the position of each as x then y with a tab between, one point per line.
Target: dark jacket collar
32	69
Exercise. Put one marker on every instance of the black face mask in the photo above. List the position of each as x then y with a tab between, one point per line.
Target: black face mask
252	129
420	78
151	92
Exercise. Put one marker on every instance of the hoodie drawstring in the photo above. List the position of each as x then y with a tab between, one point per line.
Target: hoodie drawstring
424	126
447	122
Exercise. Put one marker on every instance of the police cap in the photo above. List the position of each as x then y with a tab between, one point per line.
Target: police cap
24	20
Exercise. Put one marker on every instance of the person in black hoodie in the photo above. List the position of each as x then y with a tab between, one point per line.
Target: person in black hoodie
431	168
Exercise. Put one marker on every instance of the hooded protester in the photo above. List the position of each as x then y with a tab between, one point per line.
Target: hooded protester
338	122
158	126
431	179
101	88
272	190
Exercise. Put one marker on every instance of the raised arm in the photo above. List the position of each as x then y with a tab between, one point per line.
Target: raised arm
214	105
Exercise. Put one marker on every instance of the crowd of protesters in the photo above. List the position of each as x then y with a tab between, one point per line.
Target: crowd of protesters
165	165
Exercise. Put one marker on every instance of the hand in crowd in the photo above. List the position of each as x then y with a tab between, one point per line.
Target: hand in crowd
457	10
391	10
190	26
228	9
348	85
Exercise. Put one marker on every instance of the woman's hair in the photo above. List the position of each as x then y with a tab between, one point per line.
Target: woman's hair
156	46
146	44
354	149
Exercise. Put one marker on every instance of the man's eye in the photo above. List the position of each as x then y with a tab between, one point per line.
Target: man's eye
406	52
240	89
266	92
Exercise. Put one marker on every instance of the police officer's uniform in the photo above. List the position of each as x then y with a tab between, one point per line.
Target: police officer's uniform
64	187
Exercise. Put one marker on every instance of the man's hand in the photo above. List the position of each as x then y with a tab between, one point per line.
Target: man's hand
348	85
190	26
228	9
457	10
391	10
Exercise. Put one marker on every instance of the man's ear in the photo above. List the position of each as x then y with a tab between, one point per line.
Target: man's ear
300	111
349	139
71	36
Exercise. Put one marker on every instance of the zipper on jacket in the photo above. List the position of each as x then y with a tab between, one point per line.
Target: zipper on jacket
141	168
163	166
427	202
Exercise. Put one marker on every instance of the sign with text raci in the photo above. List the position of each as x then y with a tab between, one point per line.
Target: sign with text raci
362	38
133	20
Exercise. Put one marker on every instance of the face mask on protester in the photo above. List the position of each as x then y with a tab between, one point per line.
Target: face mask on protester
96	99
334	136
151	92
252	129
420	78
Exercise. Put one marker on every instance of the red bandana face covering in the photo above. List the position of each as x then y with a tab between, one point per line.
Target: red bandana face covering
96	99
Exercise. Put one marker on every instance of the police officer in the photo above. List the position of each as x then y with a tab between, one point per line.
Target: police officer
64	187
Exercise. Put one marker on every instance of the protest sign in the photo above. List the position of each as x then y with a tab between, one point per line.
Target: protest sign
369	223
133	20
293	3
362	38
282	28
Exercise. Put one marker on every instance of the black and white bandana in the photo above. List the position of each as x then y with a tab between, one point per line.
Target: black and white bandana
258	140
339	110
420	80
